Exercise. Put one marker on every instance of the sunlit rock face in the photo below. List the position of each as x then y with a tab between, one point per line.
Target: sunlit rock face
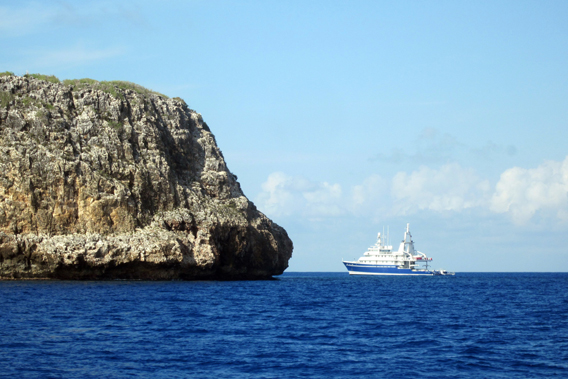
114	181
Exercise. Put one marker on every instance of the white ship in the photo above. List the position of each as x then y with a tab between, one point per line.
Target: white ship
380	259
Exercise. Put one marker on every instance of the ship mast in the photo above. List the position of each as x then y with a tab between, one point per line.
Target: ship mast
408	243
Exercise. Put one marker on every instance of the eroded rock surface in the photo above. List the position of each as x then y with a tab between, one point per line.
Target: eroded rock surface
99	184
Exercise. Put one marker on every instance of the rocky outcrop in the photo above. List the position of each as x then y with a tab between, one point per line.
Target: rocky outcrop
109	180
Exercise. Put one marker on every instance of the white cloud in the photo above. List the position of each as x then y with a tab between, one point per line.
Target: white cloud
491	150
284	195
435	147
41	59
26	19
371	198
76	55
276	198
431	146
520	193
35	18
324	200
450	188
23	18
523	192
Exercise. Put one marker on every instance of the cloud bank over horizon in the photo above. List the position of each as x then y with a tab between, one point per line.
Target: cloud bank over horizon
520	194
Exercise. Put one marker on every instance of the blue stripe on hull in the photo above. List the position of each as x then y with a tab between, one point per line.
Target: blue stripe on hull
360	269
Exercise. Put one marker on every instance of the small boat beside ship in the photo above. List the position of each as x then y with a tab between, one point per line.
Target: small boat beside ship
380	259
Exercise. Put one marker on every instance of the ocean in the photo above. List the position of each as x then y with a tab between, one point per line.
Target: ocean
309	325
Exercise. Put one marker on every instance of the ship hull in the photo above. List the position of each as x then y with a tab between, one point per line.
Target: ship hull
369	269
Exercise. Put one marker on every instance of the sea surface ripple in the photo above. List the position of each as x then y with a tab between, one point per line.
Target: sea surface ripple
311	325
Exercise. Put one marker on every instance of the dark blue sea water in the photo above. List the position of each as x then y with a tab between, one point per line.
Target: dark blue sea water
301	325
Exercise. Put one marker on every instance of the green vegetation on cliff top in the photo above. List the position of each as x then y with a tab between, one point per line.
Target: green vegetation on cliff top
112	87
47	78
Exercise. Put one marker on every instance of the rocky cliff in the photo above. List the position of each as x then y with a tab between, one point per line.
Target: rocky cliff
108	180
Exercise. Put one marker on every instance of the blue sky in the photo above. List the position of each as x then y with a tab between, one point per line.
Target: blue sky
341	117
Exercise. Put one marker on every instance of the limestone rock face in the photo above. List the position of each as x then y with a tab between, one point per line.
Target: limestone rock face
109	182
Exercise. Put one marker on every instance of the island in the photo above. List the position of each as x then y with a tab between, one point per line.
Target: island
110	180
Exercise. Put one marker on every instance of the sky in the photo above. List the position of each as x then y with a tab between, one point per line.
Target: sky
343	117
